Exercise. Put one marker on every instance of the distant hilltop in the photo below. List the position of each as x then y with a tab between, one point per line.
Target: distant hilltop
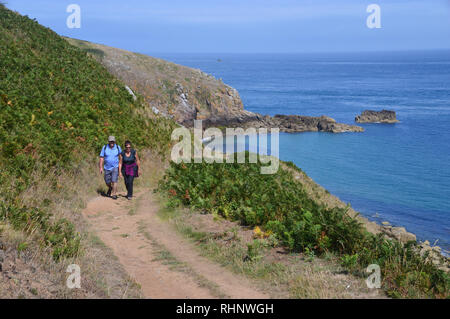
384	116
186	94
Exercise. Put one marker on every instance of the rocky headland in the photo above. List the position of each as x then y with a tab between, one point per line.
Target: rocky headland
383	116
187	94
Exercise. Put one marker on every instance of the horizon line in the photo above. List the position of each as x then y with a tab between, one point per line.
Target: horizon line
295	52
270	52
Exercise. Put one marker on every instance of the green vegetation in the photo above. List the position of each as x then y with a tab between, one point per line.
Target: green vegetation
280	205
83	46
171	92
203	96
57	106
240	260
292	277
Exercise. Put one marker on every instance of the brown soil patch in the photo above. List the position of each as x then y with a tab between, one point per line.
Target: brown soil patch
137	236
321	278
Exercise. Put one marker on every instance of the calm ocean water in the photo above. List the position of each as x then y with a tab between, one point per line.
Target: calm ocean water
398	173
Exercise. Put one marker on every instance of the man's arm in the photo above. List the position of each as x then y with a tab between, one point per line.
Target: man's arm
100	164
120	165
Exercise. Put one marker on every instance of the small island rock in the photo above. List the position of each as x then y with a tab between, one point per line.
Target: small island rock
384	116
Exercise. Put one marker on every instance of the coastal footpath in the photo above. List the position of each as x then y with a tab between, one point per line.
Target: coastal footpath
58	106
185	94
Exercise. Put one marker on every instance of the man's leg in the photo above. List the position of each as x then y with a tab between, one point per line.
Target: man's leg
107	177
114	189
114	178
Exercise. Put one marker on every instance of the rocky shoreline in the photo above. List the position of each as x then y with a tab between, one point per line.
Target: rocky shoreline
435	254
320	194
286	123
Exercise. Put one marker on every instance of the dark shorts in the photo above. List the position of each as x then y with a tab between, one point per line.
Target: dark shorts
111	176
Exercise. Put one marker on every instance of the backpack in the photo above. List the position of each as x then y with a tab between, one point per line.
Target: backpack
117	147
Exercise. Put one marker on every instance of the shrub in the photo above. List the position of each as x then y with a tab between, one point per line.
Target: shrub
279	204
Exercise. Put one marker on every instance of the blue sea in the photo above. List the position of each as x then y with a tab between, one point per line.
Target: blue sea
398	173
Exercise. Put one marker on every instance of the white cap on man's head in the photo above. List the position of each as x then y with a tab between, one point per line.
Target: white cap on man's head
111	139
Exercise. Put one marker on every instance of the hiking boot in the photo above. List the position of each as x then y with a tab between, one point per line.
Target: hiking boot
129	197
114	197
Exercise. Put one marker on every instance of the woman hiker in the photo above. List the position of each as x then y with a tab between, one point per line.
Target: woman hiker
129	167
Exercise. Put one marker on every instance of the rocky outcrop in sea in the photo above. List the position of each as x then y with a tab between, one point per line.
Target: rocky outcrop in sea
286	123
369	116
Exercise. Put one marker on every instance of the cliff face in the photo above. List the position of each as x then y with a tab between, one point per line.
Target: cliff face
383	116
187	94
173	90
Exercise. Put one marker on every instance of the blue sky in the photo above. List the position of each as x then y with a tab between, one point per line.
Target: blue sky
249	26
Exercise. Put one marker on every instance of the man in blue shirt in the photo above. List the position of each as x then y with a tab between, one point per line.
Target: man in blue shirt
109	161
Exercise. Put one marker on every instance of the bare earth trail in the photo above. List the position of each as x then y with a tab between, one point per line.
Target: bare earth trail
139	238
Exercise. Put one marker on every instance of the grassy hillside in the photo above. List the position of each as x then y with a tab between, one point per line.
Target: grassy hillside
57	107
280	205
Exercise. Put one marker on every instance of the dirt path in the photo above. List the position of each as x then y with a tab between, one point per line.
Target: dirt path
158	258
